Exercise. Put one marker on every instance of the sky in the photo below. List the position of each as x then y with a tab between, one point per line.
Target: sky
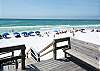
59	9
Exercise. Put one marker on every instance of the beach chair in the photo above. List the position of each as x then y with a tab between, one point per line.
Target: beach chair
38	33
16	34
5	35
31	34
97	30
25	34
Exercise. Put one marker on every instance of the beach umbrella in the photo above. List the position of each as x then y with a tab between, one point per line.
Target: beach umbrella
25	34
16	34
37	32
82	29
56	30
31	34
97	30
4	35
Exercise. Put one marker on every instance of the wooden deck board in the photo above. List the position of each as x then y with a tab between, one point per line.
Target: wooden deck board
57	65
49	65
85	51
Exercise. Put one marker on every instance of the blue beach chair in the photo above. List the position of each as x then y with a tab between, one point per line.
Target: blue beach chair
31	34
37	32
16	34
5	35
25	34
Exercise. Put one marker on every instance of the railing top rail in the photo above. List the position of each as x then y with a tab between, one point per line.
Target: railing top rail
85	44
28	51
46	47
47	52
12	48
62	39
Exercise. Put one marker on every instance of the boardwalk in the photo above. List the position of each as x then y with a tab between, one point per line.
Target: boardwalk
85	51
55	65
82	56
50	65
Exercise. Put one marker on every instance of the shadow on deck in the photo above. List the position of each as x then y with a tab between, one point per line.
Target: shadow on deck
54	65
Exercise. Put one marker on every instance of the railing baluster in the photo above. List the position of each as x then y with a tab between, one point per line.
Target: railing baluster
55	48
54	51
23	58
27	55
38	57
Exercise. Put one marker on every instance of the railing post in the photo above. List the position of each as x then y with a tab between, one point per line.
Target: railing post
23	58
27	55
64	50
16	62
38	57
12	53
54	51
69	45
0	65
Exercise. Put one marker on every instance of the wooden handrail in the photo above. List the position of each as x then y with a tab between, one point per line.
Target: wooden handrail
44	50
37	56
46	47
28	51
54	49
33	56
47	52
11	49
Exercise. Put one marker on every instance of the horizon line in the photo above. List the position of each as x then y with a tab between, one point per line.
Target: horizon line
53	18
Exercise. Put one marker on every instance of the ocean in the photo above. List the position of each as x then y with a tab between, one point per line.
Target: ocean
17	25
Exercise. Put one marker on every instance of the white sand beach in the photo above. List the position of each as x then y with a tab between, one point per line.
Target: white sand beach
38	43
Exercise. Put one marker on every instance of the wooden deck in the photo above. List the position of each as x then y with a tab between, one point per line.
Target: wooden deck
55	65
85	51
49	65
79	56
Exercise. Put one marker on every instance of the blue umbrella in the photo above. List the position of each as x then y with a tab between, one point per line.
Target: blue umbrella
56	30
4	35
25	34
17	34
37	32
31	34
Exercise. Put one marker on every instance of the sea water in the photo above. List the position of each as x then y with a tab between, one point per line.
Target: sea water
18	25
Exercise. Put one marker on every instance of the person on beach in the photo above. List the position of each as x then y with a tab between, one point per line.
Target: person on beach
72	31
47	34
0	37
